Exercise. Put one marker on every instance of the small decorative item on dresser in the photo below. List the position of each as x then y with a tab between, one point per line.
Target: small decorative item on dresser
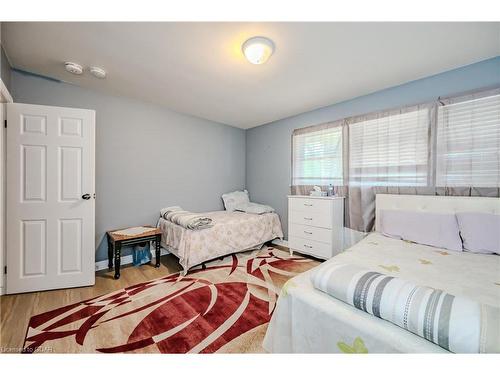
331	192
131	236
317	192
316	225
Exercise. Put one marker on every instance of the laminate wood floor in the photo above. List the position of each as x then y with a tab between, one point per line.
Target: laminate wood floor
17	309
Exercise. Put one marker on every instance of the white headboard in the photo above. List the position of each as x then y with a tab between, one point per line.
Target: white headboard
433	203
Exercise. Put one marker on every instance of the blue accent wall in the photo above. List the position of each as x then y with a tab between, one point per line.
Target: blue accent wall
268	147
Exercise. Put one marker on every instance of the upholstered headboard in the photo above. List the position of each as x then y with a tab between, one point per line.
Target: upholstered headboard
433	203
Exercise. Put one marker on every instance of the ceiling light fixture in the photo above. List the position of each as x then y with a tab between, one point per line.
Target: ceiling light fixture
258	49
98	72
73	68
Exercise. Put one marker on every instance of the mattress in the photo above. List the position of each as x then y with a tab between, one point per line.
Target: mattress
307	320
232	232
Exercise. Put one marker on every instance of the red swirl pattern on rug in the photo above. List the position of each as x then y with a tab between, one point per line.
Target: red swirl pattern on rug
223	305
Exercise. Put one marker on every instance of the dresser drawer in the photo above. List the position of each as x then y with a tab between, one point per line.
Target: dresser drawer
310	233
318	249
311	205
317	219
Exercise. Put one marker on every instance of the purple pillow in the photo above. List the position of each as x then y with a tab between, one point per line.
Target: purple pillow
439	230
480	232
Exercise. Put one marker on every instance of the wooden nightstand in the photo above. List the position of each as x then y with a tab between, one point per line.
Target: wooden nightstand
116	241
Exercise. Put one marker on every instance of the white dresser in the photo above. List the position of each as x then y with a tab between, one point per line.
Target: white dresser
316	225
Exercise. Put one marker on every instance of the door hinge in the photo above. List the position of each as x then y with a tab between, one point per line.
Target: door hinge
5	124
5	270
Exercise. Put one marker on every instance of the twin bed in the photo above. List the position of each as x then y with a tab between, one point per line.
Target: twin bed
232	232
307	320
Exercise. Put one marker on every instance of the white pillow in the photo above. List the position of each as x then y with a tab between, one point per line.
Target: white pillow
480	232
439	230
254	208
231	200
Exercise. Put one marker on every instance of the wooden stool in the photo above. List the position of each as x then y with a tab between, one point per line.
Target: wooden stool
116	241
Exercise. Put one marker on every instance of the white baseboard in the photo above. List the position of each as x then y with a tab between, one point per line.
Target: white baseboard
280	242
2	290
127	259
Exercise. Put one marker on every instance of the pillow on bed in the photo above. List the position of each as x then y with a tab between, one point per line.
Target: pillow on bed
231	200
253	208
439	230
480	232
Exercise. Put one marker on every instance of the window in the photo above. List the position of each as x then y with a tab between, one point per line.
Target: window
468	143
317	157
455	143
390	150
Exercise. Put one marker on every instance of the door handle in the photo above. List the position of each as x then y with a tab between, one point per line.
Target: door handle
86	196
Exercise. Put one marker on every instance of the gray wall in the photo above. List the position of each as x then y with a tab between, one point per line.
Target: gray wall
268	158
147	157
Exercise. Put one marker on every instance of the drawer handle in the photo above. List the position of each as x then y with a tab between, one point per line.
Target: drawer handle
306	232
308	218
309	247
308	204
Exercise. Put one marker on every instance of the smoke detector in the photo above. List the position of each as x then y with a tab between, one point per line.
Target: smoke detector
98	72
73	68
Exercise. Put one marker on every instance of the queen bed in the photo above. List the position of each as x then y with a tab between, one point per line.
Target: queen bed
308	320
232	232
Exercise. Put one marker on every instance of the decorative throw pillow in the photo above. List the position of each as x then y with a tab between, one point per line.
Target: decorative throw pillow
480	232
231	200
439	230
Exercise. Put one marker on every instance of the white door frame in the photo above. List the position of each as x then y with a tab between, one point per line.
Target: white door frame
5	97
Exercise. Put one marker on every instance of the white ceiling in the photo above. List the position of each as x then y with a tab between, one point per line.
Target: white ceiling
199	69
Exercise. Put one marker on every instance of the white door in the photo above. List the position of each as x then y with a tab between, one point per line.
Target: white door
2	196
50	197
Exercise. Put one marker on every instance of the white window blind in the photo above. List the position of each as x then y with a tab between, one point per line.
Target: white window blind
390	150
317	157
468	143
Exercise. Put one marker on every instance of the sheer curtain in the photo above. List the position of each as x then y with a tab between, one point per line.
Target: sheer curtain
447	147
317	157
390	149
468	141
386	149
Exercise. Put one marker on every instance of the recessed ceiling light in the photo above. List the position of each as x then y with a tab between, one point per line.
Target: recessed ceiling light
98	72
258	49
73	68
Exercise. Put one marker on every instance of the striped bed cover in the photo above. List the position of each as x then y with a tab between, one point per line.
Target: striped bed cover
455	323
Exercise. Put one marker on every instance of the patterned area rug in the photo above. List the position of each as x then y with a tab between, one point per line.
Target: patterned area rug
221	306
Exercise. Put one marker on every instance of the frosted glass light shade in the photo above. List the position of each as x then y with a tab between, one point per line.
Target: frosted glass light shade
258	50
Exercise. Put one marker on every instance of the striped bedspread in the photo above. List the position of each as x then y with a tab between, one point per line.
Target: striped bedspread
457	324
185	219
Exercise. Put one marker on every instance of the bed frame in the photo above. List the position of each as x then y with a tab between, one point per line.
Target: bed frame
434	203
